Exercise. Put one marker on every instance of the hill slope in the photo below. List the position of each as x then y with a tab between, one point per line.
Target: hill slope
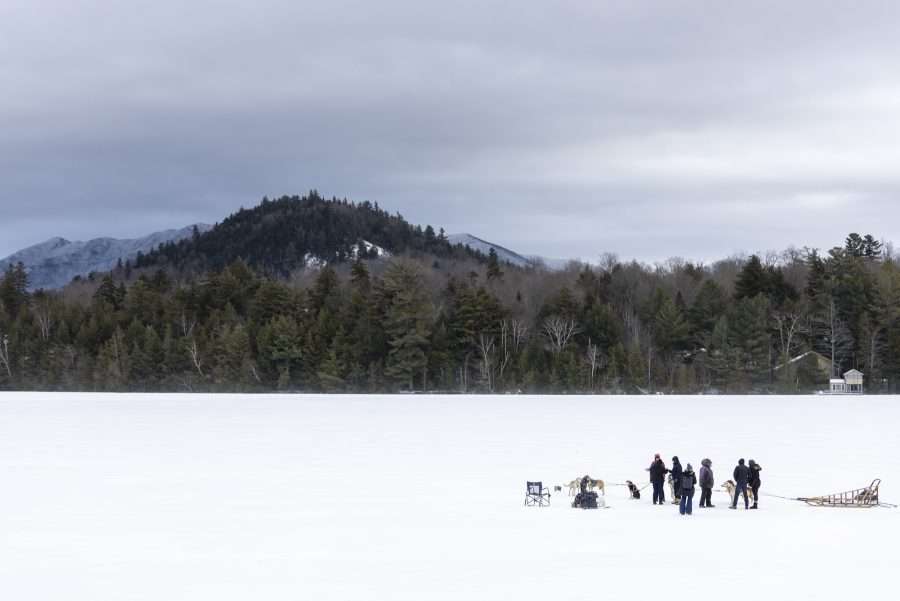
484	247
292	232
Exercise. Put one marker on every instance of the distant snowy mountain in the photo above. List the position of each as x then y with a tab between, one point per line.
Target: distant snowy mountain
53	264
483	246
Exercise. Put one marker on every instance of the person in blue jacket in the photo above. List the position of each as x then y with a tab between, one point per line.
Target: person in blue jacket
741	479
687	483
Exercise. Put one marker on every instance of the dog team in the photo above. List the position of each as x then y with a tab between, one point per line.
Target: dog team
682	482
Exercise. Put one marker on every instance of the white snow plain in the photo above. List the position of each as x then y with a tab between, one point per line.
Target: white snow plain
177	497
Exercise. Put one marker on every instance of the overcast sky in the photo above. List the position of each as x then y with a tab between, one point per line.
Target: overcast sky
567	129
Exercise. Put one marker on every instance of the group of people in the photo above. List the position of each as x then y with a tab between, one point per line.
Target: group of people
684	482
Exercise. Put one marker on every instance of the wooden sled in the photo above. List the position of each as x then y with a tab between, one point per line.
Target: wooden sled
861	497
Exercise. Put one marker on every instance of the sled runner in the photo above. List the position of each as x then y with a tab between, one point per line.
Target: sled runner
860	497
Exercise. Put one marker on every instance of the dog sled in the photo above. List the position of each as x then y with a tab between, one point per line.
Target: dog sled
860	497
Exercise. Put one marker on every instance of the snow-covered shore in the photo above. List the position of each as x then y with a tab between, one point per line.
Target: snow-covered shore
168	497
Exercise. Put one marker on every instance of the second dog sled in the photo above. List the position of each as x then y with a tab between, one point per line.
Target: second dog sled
860	497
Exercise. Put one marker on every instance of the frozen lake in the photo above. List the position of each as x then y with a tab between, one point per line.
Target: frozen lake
164	498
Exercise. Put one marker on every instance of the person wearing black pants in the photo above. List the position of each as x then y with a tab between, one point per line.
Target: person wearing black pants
706	483
755	482
658	472
741	478
676	472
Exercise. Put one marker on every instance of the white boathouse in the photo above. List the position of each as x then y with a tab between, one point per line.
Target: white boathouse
851	383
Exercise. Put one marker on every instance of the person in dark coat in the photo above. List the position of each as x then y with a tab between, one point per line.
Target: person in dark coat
658	473
706	483
676	478
755	482
686	483
585	482
741	479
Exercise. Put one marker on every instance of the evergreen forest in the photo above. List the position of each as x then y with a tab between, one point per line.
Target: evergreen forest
294	295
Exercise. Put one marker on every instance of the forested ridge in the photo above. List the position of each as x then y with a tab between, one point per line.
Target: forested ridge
280	236
239	309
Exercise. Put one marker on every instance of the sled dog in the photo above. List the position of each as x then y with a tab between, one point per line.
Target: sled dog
575	486
633	490
730	487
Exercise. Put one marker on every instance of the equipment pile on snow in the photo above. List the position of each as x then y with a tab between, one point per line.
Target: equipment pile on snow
585	499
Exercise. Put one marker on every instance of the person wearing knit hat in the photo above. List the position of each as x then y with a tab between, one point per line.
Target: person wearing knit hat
658	473
706	483
686	484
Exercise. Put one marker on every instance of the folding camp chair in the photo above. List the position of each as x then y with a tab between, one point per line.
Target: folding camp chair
536	494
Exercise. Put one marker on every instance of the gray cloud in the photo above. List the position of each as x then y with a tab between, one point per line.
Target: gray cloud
566	129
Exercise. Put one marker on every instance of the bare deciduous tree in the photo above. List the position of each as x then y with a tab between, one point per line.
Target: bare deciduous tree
838	335
594	359
513	333
187	325
194	350
43	313
4	354
789	323
872	343
486	348
559	332
632	326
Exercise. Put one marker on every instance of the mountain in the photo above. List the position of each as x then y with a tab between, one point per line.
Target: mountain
53	264
291	233
484	247
275	237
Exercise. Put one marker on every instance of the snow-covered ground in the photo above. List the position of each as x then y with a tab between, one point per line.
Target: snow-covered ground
164	498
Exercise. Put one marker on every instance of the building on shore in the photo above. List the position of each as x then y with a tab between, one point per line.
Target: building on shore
851	383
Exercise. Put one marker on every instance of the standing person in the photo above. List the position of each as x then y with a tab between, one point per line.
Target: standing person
658	473
676	479
706	483
686	484
741	478
585	482
755	482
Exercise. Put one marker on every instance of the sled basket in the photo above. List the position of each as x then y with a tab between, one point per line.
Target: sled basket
861	497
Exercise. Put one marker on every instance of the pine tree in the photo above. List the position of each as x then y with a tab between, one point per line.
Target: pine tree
408	324
281	346
14	290
493	266
108	293
721	357
670	328
332	369
709	305
671	335
752	279
751	339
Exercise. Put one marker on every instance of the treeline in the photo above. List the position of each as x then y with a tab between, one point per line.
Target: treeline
419	322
